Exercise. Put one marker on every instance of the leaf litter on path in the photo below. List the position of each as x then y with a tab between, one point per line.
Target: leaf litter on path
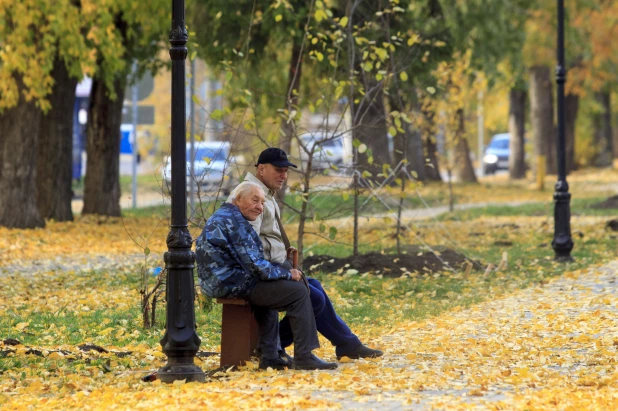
545	348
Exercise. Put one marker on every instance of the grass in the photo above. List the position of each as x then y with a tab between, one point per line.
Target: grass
145	182
327	206
579	207
322	206
64	309
54	307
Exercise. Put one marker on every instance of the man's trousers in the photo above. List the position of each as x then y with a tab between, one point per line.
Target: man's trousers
328	323
270	297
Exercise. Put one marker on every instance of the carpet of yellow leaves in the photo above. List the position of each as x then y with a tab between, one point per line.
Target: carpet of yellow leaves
551	347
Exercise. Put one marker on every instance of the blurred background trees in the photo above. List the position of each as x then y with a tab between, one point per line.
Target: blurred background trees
404	82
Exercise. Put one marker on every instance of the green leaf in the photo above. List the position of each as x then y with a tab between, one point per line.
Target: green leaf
146	251
413	39
392	130
320	15
216	115
403	76
332	233
382	53
431	90
322	227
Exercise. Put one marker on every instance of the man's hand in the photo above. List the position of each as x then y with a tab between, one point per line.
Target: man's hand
296	274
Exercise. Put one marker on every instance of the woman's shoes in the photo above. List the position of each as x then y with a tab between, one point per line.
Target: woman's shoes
362	351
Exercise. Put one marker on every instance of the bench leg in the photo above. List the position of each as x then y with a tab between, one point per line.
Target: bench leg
239	335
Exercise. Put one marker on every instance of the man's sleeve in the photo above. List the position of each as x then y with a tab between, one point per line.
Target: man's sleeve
262	268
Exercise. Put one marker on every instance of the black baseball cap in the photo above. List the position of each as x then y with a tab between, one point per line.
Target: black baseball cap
274	156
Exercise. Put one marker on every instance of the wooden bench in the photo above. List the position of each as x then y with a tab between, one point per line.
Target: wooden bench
239	332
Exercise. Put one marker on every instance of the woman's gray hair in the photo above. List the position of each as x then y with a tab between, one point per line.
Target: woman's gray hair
242	189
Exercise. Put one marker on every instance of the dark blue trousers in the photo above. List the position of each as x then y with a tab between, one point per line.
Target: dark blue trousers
326	319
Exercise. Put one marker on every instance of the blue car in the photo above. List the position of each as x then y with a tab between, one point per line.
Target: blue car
497	153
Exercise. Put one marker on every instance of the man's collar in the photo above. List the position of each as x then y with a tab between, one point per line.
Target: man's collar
250	177
234	208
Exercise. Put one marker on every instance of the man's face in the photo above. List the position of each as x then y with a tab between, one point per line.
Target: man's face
251	204
272	176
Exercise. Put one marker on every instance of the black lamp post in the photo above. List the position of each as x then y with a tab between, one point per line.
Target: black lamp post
180	342
562	242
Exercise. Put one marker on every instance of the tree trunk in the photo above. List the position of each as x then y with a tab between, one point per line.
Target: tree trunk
54	149
615	147
101	184
369	127
291	96
571	107
432	167
415	152
517	124
542	116
291	103
408	145
603	131
19	130
463	163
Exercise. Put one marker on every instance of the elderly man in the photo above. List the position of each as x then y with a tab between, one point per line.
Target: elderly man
271	173
231	264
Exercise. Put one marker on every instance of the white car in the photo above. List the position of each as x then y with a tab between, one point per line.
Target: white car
328	151
212	165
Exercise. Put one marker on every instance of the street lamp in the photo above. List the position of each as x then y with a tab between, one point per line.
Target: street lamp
562	242
180	342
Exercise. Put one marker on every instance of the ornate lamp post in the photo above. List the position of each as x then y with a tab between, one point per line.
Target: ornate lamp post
180	342
562	242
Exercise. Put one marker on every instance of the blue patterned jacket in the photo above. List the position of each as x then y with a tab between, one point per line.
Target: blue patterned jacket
230	257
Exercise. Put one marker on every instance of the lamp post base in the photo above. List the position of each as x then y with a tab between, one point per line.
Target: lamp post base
562	242
564	258
176	370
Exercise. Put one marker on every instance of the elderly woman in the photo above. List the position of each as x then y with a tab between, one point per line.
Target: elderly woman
231	264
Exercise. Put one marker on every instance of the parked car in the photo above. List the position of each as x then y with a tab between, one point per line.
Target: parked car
496	156
212	165
327	151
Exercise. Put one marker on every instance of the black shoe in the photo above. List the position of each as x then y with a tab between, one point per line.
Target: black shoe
285	356
275	364
312	363
362	351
